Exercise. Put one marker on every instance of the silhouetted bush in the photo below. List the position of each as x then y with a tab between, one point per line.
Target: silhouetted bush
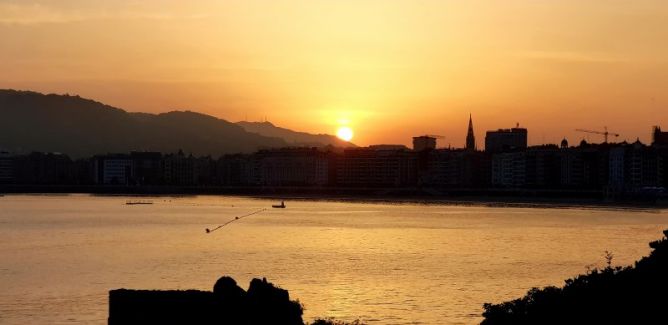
613	295
273	303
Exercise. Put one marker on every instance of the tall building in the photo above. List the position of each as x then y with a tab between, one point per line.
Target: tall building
659	137
112	169
239	170
506	140
585	167
6	167
470	137
458	168
423	143
146	167
543	166
509	169
376	167
294	167
179	169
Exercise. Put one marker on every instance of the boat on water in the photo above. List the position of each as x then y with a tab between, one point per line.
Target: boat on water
279	206
138	202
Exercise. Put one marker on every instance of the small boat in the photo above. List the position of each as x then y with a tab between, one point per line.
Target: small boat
138	202
279	206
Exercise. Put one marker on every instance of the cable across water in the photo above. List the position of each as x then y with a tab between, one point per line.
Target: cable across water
233	220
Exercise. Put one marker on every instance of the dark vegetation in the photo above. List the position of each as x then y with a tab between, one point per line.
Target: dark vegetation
614	295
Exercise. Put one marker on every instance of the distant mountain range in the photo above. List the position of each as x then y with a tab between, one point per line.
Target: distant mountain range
294	138
79	127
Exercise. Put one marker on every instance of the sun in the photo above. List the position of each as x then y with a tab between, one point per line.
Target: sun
345	133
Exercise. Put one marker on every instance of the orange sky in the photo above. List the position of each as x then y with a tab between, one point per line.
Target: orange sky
390	69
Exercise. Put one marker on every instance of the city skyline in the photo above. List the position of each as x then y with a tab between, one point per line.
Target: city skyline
264	127
356	162
387	71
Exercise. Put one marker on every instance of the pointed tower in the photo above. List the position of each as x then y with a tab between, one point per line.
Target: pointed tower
470	137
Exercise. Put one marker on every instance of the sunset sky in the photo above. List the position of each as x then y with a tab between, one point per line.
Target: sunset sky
389	69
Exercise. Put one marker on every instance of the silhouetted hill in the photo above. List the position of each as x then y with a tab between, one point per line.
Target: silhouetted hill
31	121
630	295
294	138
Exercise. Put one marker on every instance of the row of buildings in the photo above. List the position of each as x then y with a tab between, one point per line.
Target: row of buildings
507	163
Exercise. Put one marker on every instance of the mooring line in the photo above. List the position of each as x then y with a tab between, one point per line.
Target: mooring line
233	220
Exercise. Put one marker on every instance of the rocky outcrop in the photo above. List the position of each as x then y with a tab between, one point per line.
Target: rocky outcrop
263	303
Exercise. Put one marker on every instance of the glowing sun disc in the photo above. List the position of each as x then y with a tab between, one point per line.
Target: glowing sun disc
345	133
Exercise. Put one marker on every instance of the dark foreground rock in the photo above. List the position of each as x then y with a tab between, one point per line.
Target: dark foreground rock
630	295
263	303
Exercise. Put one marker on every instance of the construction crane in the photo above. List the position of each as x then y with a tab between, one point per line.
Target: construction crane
434	136
605	133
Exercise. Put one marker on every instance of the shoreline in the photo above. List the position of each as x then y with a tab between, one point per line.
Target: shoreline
463	197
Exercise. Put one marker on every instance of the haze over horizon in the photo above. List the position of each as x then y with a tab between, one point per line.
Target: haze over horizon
388	70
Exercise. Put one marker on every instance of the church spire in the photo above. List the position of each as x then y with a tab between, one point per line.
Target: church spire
470	137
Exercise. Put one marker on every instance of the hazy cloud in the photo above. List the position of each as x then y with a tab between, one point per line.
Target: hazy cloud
34	13
568	56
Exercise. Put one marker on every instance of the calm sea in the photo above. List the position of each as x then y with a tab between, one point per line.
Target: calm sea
379	262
